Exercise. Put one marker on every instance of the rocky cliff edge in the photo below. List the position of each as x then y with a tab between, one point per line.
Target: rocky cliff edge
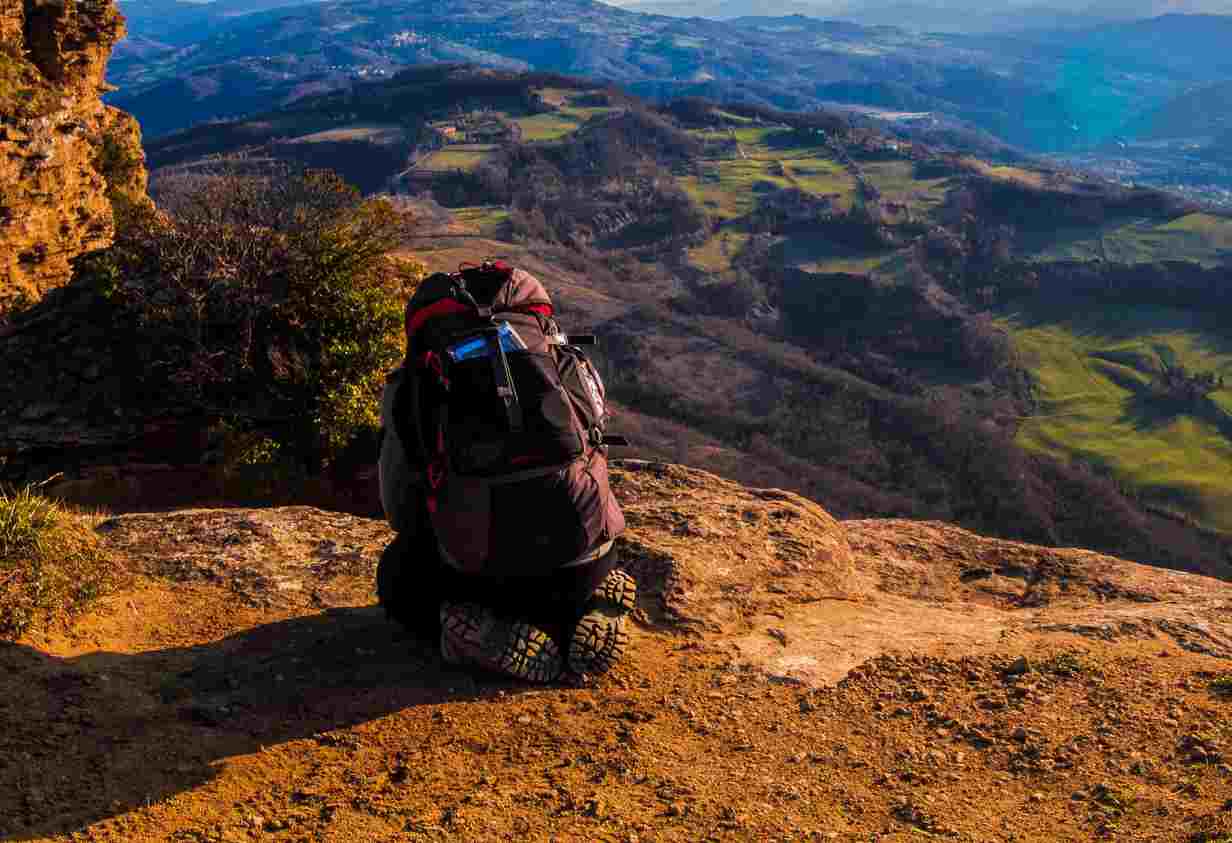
64	155
792	677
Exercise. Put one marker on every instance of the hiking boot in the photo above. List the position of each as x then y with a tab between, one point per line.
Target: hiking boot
473	635
602	636
618	592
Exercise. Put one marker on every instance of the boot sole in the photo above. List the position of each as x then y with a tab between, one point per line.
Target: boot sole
471	635
617	592
598	642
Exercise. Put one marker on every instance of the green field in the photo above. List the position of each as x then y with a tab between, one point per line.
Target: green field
897	182
735	118
762	142
814	253
822	177
1030	178
487	220
1202	238
565	100
1093	369
373	133
715	255
730	188
547	127
755	136
457	157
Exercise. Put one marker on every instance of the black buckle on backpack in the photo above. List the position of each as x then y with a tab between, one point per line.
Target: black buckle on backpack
599	439
464	295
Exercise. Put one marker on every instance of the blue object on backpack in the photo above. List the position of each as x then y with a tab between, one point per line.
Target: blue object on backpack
479	347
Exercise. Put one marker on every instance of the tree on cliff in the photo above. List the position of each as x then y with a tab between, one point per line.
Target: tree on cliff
274	300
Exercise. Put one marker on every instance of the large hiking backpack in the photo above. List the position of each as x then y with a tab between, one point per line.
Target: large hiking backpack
507	417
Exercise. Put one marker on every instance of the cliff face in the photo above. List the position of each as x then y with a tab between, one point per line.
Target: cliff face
63	153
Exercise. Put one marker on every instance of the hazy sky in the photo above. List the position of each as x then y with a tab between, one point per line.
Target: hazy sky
1107	8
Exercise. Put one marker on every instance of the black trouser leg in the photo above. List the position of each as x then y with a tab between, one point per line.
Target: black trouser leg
413	581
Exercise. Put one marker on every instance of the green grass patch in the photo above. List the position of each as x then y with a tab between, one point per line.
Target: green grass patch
485	219
52	565
735	118
730	189
814	253
1030	178
760	141
547	127
1202	238
582	113
565	101
755	136
456	157
1094	370
715	255
897	182
822	177
375	133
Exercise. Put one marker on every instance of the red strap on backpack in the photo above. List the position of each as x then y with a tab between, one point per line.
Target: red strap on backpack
444	307
432	362
436	470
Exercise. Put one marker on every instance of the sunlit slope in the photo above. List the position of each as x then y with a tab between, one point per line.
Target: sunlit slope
1095	371
1202	238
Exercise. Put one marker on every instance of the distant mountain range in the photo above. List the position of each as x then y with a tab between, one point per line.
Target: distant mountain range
922	17
966	16
1053	91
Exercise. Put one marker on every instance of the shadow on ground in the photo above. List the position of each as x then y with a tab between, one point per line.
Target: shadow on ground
96	736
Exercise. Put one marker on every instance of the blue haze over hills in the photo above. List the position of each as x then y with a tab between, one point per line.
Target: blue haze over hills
1091	81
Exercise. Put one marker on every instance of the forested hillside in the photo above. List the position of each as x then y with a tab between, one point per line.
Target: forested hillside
793	301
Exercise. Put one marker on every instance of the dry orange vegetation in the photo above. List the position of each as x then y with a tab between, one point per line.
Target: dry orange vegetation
793	678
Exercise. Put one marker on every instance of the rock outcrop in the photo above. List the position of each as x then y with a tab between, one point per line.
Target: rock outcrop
63	153
792	677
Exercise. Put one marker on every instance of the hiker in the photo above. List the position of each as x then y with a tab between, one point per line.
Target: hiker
493	473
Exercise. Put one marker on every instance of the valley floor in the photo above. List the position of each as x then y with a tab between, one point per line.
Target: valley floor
793	678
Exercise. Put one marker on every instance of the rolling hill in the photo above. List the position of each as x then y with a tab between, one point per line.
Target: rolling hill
1017	16
1028	91
873	323
797	301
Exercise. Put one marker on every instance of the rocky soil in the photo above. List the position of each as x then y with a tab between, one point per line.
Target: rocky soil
792	678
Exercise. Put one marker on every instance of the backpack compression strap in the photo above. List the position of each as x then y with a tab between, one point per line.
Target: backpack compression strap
503	378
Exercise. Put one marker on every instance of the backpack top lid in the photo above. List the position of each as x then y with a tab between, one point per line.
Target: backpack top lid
492	284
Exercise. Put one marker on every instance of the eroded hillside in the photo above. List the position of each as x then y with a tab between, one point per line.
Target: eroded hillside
792	677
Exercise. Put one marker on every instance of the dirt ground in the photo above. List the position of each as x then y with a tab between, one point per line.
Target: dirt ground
792	678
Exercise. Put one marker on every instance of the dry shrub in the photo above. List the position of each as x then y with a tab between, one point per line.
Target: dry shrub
52	565
273	297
